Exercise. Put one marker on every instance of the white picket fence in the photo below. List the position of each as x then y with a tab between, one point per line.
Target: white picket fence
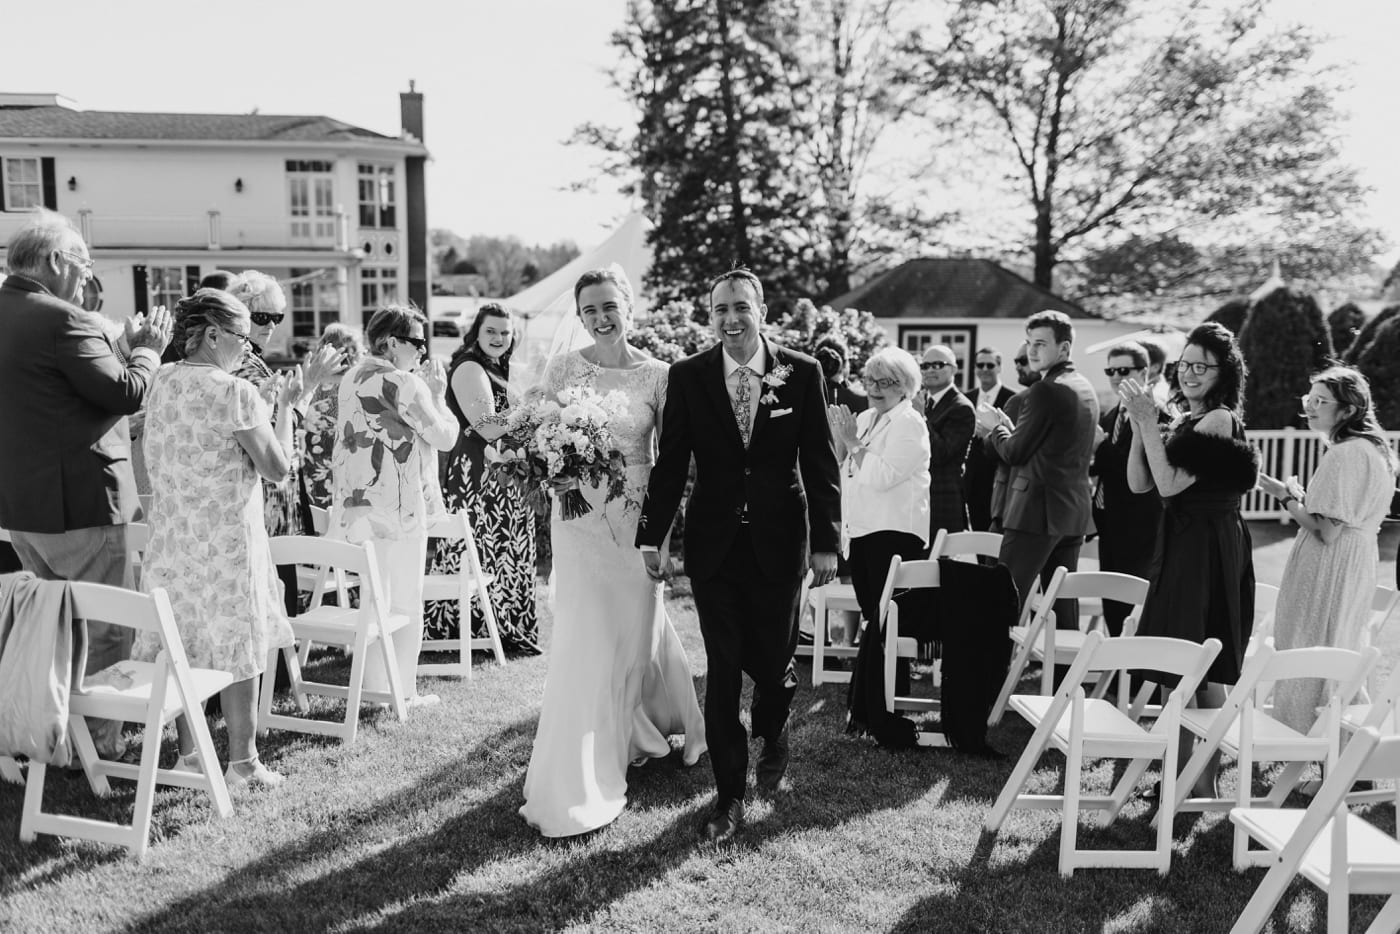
1283	453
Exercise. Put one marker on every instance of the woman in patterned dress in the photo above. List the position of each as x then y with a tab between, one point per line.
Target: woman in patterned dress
384	473
501	519
318	429
209	438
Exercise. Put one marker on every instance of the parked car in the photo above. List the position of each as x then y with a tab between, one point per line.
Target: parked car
448	322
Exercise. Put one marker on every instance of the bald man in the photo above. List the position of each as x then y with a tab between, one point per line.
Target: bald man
951	421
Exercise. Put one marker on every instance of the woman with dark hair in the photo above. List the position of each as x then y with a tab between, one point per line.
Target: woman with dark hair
1325	595
1204	585
501	520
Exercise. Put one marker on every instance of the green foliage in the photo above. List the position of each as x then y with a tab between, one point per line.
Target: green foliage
1380	363
1284	340
1231	314
1345	323
1368	333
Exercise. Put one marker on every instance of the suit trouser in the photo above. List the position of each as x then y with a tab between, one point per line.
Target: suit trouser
97	555
400	564
1029	555
749	623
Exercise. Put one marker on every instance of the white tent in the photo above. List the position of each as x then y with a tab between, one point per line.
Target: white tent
544	305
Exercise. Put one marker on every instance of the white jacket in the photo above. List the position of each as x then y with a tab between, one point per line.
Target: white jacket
888	492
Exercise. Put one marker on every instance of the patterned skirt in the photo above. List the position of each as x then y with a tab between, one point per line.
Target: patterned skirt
504	526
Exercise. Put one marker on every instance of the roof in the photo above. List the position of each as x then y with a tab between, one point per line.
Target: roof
954	288
56	122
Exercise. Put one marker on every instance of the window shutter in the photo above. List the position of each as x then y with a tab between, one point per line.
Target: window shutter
142	289
2	184
46	176
191	279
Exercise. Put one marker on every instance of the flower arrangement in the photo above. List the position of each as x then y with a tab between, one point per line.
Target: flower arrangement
548	442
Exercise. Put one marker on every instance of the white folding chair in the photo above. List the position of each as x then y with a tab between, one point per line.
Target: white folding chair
9	769
1041	642
314	580
152	693
905	575
468	582
362	630
1265	605
825	600
1083	727
1340	853
1244	730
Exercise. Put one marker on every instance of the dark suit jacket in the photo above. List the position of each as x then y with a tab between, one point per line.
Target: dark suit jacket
1128	521
980	473
787	478
1049	453
64	394
997	506
950	428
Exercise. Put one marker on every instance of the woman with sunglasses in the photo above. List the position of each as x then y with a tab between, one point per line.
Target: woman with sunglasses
1204	584
1325	595
384	475
885	454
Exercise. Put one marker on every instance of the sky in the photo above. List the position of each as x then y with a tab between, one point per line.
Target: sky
504	83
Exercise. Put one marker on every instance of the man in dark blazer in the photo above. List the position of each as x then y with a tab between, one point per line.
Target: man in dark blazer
66	486
1049	448
753	416
1025	377
951	422
1127	522
980	472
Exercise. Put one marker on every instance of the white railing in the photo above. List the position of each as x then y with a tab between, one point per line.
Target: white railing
1284	452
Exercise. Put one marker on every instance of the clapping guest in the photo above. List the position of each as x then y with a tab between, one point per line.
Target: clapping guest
979	474
318	430
384	474
502	521
209	437
1328	582
951	421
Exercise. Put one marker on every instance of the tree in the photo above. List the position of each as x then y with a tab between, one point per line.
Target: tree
1380	364
1345	323
1284	341
1129	117
1368	334
447	263
1231	314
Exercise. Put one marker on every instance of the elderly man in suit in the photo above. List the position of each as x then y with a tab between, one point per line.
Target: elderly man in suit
951	422
66	486
1127	522
1048	448
980	473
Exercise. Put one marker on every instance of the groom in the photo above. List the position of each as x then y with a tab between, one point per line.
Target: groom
753	415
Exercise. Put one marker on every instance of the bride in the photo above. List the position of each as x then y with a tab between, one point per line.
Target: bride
619	682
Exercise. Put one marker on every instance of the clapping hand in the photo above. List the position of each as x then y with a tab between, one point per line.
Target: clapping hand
289	387
988	419
843	424
435	375
153	331
1138	402
321	368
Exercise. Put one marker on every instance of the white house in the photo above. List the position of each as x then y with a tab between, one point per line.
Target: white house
334	211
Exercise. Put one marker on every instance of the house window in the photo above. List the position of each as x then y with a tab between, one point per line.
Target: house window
166	285
24	185
377	199
315	301
379	286
960	339
311	200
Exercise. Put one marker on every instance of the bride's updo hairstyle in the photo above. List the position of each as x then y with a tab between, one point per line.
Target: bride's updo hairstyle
612	274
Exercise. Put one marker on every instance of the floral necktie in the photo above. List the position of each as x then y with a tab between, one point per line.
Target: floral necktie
741	403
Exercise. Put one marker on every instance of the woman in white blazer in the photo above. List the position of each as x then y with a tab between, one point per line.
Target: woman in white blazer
884	475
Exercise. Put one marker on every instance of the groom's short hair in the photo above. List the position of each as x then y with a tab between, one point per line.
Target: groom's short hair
740	274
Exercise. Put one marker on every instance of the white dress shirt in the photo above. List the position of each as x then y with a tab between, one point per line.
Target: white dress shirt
731	382
888	492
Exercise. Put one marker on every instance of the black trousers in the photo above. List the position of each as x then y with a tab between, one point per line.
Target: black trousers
749	623
870	565
1031	555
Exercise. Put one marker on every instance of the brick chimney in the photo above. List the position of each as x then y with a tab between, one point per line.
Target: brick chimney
416	200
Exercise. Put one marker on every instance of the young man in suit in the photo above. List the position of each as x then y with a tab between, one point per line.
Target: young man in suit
66	486
980	472
1048	449
1127	522
951	422
765	507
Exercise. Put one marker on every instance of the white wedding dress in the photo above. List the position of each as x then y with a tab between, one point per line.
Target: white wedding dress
618	682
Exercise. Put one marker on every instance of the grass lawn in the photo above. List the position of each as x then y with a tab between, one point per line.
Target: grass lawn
415	828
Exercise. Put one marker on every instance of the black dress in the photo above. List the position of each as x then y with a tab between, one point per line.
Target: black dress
1204	586
503	524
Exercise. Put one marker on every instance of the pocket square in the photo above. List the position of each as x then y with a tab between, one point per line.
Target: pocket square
778	413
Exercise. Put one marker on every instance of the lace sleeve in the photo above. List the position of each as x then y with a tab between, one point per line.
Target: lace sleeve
556	375
660	376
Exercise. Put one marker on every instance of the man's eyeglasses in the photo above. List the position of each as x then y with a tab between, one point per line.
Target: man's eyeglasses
933	365
80	260
1120	370
1022	361
243	339
1195	369
988	366
263	318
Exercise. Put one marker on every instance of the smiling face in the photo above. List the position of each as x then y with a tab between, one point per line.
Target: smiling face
495	336
988	370
1198	372
938	368
736	315
603	309
1117	364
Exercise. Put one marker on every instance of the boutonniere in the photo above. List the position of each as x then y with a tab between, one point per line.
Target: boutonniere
774	379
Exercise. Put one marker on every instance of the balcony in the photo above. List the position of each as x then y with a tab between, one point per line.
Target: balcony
206	230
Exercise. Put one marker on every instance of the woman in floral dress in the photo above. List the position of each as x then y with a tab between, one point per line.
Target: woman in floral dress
501	520
319	428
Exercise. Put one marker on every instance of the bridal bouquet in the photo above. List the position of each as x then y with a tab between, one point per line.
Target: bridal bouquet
547	441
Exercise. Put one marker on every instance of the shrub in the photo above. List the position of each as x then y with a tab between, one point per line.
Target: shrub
1368	333
1380	364
1232	314
1285	340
